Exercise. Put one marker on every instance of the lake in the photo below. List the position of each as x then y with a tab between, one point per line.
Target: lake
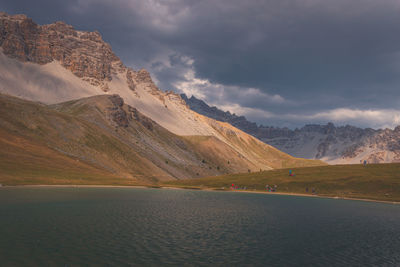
47	226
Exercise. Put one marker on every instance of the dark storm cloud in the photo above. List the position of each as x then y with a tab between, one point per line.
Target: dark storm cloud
281	62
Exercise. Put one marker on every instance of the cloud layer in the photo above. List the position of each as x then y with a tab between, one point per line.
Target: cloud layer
286	62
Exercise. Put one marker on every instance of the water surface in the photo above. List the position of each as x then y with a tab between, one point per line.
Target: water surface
153	227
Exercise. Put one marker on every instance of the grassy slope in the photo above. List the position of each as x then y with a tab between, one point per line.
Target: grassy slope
141	152
374	181
65	137
25	162
182	157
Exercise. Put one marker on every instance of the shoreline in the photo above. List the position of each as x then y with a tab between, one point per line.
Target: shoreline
288	194
204	189
76	185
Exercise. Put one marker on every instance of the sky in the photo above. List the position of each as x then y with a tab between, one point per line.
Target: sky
282	63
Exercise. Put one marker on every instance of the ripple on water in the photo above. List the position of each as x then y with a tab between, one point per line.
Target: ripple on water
125	226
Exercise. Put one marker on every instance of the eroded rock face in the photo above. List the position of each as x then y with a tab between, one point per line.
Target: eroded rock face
117	100
121	115
117	113
143	76
146	122
130	75
83	53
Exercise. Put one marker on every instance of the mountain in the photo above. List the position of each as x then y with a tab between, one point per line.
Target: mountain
114	138
335	145
126	125
203	108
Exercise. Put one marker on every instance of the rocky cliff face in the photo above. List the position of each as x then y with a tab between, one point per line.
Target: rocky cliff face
382	146
345	144
83	53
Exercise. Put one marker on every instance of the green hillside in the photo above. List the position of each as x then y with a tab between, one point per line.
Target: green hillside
374	181
26	162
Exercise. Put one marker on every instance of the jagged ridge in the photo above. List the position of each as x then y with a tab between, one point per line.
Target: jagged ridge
344	144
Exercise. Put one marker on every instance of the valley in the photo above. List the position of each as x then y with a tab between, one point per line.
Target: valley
72	113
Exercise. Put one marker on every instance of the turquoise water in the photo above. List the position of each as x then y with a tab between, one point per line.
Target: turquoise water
159	227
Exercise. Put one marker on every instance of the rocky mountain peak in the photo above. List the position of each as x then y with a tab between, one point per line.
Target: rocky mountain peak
143	76
16	17
83	53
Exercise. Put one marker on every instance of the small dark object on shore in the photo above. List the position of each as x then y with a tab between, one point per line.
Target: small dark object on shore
313	190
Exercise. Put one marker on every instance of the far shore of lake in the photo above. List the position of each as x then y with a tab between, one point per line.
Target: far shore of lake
202	189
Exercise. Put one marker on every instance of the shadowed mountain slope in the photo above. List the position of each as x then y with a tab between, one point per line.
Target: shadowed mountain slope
102	136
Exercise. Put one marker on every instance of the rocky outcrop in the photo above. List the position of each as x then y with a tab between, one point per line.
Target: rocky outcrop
143	76
130	79
83	53
146	122
116	112
121	115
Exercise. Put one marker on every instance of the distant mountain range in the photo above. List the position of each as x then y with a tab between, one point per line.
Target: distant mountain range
77	99
336	145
